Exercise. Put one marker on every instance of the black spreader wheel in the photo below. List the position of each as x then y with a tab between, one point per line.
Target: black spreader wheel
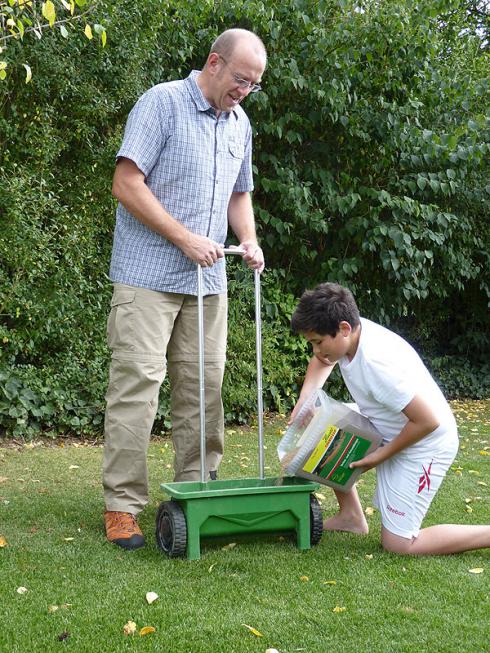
171	529
316	520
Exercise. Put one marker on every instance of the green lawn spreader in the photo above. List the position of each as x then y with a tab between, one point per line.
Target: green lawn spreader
224	508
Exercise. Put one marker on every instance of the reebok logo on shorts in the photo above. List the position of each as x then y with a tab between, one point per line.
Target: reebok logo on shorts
424	480
395	511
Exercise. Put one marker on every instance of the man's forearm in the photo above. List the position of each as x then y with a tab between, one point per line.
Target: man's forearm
241	217
130	189
138	199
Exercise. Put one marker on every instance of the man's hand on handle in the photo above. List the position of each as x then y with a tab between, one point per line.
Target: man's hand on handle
253	254
202	250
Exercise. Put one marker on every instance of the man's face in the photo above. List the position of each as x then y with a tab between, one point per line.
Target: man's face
225	91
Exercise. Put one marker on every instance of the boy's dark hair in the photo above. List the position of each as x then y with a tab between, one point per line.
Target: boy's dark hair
323	309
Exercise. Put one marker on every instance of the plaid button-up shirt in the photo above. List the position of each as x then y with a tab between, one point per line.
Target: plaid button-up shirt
192	162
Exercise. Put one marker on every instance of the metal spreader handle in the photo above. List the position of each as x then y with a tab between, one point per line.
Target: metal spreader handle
202	391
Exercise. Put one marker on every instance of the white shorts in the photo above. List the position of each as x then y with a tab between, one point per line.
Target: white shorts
407	483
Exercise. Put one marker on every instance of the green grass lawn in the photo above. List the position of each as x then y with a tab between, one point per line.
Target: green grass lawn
81	590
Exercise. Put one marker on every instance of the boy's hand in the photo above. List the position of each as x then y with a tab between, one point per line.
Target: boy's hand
305	417
371	460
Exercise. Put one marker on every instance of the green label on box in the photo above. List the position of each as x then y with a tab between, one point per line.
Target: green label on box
334	453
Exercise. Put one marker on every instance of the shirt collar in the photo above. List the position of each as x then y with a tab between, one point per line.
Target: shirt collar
197	95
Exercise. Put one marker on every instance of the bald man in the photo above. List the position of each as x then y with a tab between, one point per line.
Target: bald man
183	174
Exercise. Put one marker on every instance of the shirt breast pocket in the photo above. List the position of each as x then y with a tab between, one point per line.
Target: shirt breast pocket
233	160
236	150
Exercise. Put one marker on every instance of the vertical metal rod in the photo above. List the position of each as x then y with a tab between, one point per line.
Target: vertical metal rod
202	391
258	340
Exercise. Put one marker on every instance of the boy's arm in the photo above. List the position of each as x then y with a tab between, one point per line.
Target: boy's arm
317	373
421	422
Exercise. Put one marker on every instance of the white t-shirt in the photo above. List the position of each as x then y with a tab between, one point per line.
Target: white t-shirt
385	375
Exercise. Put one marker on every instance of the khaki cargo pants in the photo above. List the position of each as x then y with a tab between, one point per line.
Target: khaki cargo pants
147	332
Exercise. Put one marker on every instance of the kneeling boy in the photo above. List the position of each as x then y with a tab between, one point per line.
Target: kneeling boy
393	388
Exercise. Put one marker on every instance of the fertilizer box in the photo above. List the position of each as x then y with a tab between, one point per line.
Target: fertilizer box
324	439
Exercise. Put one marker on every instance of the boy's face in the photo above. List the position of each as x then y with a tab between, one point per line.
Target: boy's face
330	349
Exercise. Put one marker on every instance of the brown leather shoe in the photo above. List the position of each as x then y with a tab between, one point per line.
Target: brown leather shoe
122	529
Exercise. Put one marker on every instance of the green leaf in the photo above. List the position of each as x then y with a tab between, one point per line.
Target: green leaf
49	12
20	26
64	31
28	72
421	182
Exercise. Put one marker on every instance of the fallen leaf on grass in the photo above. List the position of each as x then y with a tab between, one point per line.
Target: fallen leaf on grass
468	508
147	630
3	542
68	539
229	546
129	628
271	650
151	597
482	483
74	467
3	479
329	582
476	570
212	567
369	556
484	452
339	609
53	608
369	511
253	630
305	579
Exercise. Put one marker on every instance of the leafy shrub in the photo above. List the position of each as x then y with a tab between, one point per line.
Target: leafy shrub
371	145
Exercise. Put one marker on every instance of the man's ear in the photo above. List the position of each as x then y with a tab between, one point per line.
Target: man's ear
212	61
345	328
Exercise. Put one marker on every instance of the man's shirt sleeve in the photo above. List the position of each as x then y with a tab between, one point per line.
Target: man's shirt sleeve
146	131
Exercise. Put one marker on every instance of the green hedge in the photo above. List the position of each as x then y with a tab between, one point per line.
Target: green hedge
372	154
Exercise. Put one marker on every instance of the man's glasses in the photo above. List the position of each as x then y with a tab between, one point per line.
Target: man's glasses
243	83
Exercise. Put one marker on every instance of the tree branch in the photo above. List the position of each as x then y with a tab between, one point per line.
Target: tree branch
41	26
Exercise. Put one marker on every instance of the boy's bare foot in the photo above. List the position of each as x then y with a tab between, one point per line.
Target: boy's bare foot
338	522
